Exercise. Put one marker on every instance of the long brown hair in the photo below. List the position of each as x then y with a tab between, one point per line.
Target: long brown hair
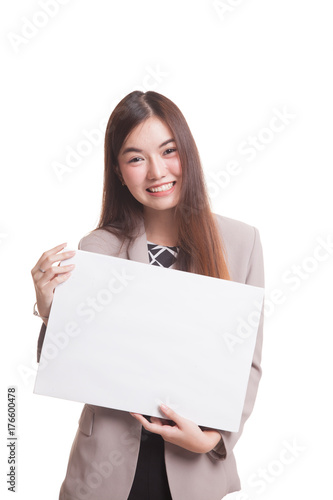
200	247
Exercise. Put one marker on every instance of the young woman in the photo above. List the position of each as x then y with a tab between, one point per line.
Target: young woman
155	210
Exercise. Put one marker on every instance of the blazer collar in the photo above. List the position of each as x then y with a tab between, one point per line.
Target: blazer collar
138	250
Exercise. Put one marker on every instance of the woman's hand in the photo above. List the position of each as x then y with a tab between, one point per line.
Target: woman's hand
45	282
181	431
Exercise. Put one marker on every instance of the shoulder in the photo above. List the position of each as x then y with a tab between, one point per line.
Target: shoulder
101	241
235	230
237	235
242	245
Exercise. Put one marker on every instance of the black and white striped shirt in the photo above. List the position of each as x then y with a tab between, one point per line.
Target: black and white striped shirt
161	255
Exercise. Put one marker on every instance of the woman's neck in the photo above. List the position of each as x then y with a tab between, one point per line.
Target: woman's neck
161	227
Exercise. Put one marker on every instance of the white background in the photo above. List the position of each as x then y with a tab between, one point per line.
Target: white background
229	73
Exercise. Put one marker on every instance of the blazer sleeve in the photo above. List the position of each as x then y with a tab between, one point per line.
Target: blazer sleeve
40	341
255	276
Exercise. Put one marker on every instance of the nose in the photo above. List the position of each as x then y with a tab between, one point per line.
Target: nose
156	168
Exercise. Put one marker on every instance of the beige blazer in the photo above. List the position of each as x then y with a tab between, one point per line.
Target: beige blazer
104	453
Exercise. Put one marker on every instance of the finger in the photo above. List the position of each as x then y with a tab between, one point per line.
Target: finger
166	431
172	415
47	287
152	427
137	415
158	421
48	252
48	261
52	274
163	420
51	256
50	270
140	418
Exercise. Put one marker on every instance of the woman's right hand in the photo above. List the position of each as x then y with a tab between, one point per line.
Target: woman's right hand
45	282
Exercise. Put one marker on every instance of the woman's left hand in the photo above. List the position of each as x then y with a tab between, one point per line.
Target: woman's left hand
184	432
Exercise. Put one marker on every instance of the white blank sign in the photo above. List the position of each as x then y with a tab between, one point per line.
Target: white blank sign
128	335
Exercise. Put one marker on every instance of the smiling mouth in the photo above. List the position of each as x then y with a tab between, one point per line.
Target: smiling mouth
165	187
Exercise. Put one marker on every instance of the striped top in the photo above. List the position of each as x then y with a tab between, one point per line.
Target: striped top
163	256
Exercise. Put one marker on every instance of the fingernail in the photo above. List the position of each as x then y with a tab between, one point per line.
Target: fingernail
164	407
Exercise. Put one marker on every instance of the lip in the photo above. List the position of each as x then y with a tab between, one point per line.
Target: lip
163	193
159	185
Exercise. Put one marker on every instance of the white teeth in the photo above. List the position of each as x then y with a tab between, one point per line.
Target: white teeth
165	187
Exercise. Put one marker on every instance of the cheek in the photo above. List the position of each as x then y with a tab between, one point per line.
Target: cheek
176	167
133	176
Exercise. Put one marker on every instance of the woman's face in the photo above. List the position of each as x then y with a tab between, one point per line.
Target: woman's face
149	159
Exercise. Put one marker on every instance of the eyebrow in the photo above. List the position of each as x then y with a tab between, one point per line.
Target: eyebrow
136	150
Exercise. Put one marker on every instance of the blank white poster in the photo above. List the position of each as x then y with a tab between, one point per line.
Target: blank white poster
129	336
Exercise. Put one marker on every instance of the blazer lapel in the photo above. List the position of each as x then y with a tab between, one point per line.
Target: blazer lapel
138	250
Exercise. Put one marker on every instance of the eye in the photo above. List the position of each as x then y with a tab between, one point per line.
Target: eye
135	160
170	150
